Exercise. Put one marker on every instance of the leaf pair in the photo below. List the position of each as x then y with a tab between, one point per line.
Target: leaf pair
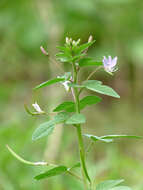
70	106
47	128
112	185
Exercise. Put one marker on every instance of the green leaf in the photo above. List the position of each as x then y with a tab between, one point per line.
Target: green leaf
49	82
121	188
64	57
107	185
91	82
60	118
52	172
76	119
109	138
102	89
43	130
89	100
83	47
84	62
65	106
70	106
46	128
66	50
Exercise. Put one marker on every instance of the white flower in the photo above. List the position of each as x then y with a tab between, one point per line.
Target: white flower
110	64
37	108
66	85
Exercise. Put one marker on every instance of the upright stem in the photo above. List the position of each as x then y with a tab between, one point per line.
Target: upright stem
79	133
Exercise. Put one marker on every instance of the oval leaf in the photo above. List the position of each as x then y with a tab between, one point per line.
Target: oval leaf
53	172
102	89
108	184
76	119
43	130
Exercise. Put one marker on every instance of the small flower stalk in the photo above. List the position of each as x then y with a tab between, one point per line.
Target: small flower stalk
70	113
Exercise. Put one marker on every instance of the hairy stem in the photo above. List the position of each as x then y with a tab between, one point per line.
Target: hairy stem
79	134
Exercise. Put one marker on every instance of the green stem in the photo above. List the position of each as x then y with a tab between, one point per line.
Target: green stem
79	133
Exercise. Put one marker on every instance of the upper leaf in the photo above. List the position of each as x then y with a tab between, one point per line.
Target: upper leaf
52	172
49	82
76	119
108	184
79	49
102	89
86	61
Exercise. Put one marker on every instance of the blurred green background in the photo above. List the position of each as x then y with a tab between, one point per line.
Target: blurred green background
25	25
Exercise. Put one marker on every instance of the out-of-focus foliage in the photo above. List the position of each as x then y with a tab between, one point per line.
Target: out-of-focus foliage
25	25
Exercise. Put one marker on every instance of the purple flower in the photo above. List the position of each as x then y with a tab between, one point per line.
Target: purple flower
110	64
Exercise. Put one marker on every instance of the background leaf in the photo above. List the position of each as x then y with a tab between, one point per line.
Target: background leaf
53	172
